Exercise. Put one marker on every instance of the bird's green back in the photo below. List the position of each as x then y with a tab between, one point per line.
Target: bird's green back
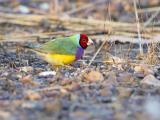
66	46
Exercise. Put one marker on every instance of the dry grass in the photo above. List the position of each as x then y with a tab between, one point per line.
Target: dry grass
115	31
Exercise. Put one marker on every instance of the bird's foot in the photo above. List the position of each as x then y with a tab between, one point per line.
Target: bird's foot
67	66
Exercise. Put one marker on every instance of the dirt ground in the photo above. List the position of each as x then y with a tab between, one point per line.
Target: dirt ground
120	84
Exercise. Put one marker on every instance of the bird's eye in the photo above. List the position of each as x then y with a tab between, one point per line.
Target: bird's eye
84	40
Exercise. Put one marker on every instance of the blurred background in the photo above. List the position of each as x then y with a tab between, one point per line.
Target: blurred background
50	18
116	10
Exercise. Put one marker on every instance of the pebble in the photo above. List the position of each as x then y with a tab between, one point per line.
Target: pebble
125	77
31	95
47	73
124	92
152	108
23	9
44	6
150	80
94	76
26	69
139	75
54	106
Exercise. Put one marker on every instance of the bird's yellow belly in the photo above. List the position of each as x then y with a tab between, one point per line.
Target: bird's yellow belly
58	59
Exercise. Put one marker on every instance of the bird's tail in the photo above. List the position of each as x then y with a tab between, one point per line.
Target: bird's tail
31	46
34	48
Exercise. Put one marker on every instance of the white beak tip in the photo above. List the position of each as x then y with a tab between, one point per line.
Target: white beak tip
90	42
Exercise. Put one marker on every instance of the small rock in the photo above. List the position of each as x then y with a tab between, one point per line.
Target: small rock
105	92
138	68
47	73
150	80
111	80
148	71
81	115
31	95
4	74
124	92
94	76
74	86
23	9
26	69
44	6
153	2
26	79
66	82
4	115
139	75
54	106
125	77
142	68
30	105
152	108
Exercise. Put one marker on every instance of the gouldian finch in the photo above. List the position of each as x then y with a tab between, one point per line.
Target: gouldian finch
62	51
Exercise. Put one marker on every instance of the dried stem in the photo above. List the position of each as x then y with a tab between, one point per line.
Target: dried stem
138	28
103	41
148	22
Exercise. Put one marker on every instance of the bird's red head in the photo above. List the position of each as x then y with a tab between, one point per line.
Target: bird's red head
85	41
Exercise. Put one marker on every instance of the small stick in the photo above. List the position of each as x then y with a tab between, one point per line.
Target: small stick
97	52
101	44
152	9
138	28
87	6
150	19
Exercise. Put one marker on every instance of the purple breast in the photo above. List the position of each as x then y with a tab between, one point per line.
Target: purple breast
79	53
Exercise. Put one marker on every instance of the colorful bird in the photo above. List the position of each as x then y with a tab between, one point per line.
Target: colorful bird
62	51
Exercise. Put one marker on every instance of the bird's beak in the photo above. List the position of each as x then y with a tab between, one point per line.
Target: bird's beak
90	42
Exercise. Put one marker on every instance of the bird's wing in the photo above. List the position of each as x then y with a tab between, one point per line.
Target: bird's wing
59	46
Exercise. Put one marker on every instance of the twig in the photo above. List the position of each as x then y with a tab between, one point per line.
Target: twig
152	9
46	37
101	44
121	30
97	52
138	28
154	24
54	7
90	6
148	22
124	39
72	23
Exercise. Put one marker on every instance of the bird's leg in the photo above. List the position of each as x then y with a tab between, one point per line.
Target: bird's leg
67	66
57	69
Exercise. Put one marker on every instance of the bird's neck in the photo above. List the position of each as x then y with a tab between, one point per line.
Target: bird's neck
79	53
75	39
